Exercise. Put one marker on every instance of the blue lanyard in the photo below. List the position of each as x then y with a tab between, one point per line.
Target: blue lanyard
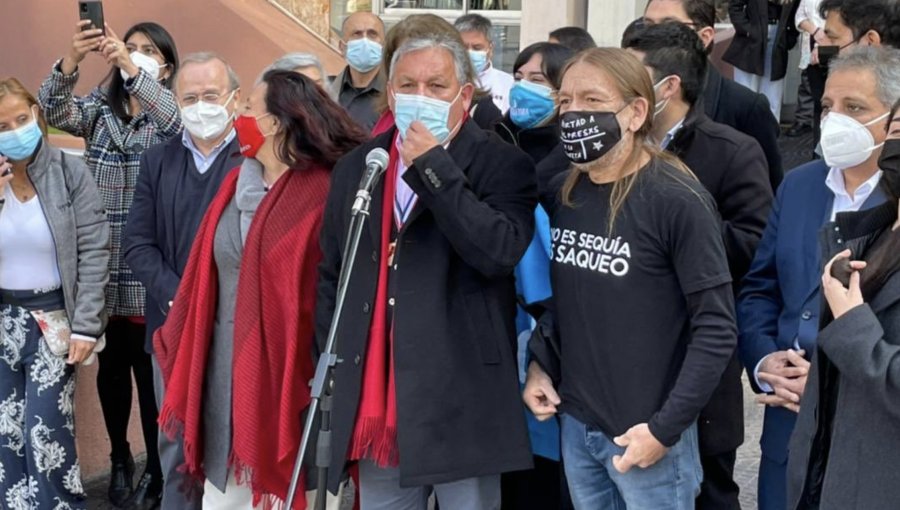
402	211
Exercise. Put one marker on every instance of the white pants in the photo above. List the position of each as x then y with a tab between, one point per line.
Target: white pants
240	497
773	90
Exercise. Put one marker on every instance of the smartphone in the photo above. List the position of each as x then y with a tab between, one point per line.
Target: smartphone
92	10
842	271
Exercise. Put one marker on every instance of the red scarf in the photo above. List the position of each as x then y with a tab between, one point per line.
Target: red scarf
384	124
375	431
273	334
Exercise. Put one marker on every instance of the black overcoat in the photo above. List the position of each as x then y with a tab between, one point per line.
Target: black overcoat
454	304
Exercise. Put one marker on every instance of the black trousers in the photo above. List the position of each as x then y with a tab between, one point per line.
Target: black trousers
803	116
541	488
124	354
817	75
718	491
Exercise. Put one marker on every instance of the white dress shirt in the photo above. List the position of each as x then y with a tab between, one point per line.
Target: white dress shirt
843	202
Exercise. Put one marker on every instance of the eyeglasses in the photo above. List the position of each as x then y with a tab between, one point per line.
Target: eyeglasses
192	99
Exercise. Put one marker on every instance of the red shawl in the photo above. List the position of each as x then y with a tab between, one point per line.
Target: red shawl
375	430
273	334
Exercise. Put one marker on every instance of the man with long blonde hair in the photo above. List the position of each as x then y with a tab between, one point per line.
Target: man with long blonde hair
644	305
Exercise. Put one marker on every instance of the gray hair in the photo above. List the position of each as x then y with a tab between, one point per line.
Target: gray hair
292	61
202	57
464	70
883	62
474	23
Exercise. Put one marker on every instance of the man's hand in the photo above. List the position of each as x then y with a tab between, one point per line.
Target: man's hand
539	394
417	141
641	449
785	372
79	350
787	363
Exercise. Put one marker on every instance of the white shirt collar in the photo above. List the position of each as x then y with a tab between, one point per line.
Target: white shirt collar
835	182
188	142
670	135
843	202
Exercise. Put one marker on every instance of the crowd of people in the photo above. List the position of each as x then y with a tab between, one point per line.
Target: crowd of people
595	250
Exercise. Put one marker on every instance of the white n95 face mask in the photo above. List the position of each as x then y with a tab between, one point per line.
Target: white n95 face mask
845	141
145	62
207	120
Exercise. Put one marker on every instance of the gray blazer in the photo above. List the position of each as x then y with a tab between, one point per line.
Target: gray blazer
74	212
862	472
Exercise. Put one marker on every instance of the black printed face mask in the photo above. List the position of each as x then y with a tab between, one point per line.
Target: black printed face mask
889	163
586	135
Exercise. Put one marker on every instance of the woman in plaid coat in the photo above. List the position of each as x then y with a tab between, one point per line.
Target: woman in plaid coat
130	111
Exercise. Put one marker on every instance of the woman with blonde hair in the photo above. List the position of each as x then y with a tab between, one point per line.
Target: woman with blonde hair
643	302
54	258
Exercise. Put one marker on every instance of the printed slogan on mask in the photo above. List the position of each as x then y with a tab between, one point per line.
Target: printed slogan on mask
605	255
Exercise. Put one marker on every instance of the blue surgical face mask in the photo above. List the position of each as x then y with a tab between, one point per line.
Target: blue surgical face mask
363	54
20	143
530	104
434	113
479	60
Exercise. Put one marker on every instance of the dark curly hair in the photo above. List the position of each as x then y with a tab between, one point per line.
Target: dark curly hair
316	129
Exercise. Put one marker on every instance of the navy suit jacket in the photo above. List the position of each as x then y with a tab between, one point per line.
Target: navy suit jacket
151	239
779	303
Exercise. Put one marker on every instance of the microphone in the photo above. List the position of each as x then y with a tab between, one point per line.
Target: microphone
376	163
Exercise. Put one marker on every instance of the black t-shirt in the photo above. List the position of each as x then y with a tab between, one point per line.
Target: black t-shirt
636	308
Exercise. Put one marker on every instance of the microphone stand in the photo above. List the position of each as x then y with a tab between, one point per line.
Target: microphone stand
323	380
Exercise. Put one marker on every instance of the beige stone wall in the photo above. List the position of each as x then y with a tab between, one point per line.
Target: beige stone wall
313	13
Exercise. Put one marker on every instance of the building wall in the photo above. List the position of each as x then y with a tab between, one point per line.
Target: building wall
607	19
250	34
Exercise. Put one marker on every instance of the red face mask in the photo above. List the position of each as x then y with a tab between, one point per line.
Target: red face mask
249	135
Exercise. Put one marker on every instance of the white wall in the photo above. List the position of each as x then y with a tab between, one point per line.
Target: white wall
540	17
604	19
607	19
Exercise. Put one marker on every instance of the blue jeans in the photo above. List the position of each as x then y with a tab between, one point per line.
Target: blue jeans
671	484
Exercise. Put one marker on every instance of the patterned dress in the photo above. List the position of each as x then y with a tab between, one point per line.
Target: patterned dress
113	155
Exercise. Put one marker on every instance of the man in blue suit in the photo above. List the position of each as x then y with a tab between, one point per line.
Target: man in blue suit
778	308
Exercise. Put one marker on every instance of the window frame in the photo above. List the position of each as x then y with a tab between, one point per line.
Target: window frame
497	17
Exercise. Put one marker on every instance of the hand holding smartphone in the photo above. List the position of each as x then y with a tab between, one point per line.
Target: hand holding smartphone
4	162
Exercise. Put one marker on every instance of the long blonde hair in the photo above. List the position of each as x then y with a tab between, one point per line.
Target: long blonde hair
632	81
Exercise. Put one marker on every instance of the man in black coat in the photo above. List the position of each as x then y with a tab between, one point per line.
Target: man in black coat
764	31
436	274
732	167
724	101
177	181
